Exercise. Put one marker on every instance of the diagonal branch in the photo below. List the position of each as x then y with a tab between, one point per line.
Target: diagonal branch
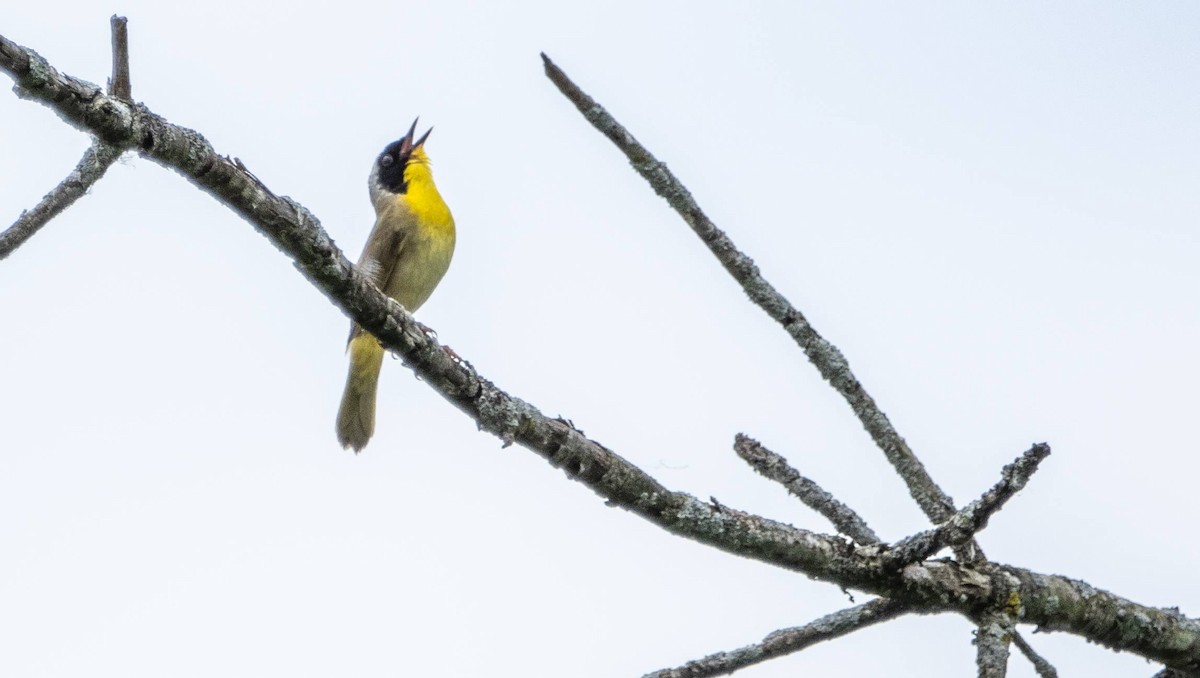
1044	668
1053	602
775	467
826	357
787	641
965	524
95	162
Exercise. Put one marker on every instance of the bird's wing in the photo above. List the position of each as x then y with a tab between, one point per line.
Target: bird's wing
380	255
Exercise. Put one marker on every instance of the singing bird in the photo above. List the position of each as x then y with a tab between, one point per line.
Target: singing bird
406	255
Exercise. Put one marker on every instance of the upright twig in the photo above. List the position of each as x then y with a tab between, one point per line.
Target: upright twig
826	357
120	86
787	641
775	467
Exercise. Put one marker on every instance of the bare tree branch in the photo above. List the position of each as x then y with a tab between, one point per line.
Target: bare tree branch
787	641
120	86
964	524
95	162
775	467
1043	667
1052	602
826	357
991	646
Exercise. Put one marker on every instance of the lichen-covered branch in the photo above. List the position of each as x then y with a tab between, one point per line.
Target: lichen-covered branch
1053	602
826	357
787	641
95	162
991	646
775	467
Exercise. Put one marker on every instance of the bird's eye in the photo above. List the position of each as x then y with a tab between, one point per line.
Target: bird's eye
386	161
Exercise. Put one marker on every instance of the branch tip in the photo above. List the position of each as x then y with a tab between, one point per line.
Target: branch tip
119	86
774	467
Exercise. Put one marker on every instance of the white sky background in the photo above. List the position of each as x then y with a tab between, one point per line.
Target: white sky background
992	211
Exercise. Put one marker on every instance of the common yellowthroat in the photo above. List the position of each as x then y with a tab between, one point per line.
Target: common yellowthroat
406	255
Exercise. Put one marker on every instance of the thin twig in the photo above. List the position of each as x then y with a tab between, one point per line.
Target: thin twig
787	641
826	357
775	467
1044	668
120	86
95	162
964	524
991	646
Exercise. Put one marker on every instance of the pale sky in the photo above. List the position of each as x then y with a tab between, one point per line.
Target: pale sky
992	210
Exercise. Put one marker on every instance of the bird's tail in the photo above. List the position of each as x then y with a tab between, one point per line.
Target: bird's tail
356	416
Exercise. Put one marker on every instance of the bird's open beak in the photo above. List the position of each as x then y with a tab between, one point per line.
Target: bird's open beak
406	142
